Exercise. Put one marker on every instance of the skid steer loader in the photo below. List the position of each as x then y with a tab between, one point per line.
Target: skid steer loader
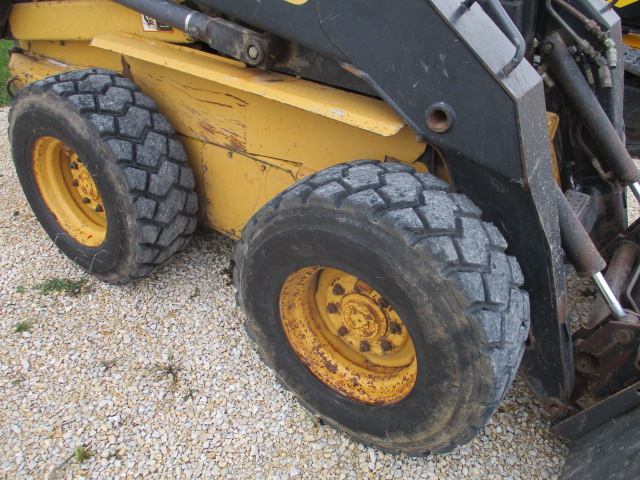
408	183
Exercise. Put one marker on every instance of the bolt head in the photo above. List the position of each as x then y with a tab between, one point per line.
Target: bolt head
73	166
342	331
98	209
386	346
333	308
554	407
86	200
365	346
253	52
623	336
394	328
548	47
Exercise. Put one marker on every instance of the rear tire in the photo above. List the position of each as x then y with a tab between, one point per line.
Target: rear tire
632	114
441	269
103	172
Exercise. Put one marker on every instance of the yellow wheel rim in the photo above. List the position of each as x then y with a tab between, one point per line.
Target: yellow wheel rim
68	190
348	336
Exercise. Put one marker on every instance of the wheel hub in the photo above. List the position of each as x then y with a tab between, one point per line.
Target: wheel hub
69	191
348	335
87	187
362	317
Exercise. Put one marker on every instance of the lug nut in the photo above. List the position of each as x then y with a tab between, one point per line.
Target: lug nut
342	331
382	303
86	200
75	183
338	289
364	346
98	209
362	287
386	346
394	328
73	166
333	308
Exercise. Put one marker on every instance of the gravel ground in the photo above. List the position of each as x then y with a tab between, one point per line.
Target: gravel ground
159	380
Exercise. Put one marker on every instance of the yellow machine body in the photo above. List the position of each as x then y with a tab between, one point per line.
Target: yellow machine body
248	134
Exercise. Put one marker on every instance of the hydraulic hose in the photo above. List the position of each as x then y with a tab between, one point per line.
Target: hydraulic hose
583	45
568	75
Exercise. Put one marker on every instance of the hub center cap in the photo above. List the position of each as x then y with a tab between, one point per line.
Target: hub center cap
87	186
363	317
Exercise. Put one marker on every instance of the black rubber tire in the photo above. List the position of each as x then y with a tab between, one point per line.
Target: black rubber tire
429	254
133	157
632	114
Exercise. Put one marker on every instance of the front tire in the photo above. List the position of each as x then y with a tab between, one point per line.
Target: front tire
385	304
103	172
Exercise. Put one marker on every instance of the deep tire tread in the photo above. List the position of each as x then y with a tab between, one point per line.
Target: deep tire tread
397	198
109	101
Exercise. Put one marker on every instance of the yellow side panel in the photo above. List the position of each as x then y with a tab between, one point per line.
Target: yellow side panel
49	58
83	20
624	3
253	148
357	110
233	186
631	39
245	146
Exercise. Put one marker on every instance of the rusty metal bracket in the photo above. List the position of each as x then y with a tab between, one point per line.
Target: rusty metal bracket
618	275
605	361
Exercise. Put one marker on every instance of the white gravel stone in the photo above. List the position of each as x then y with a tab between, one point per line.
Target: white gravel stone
92	372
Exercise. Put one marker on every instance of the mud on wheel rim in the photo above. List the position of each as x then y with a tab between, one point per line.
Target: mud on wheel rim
348	336
69	191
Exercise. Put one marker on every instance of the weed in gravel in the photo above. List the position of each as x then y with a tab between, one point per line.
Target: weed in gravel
108	363
196	292
117	455
228	273
16	382
82	454
21	289
317	422
60	285
23	326
167	370
189	396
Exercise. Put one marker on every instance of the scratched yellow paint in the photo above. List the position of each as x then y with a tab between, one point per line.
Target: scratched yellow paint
296	2
318	99
248	134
